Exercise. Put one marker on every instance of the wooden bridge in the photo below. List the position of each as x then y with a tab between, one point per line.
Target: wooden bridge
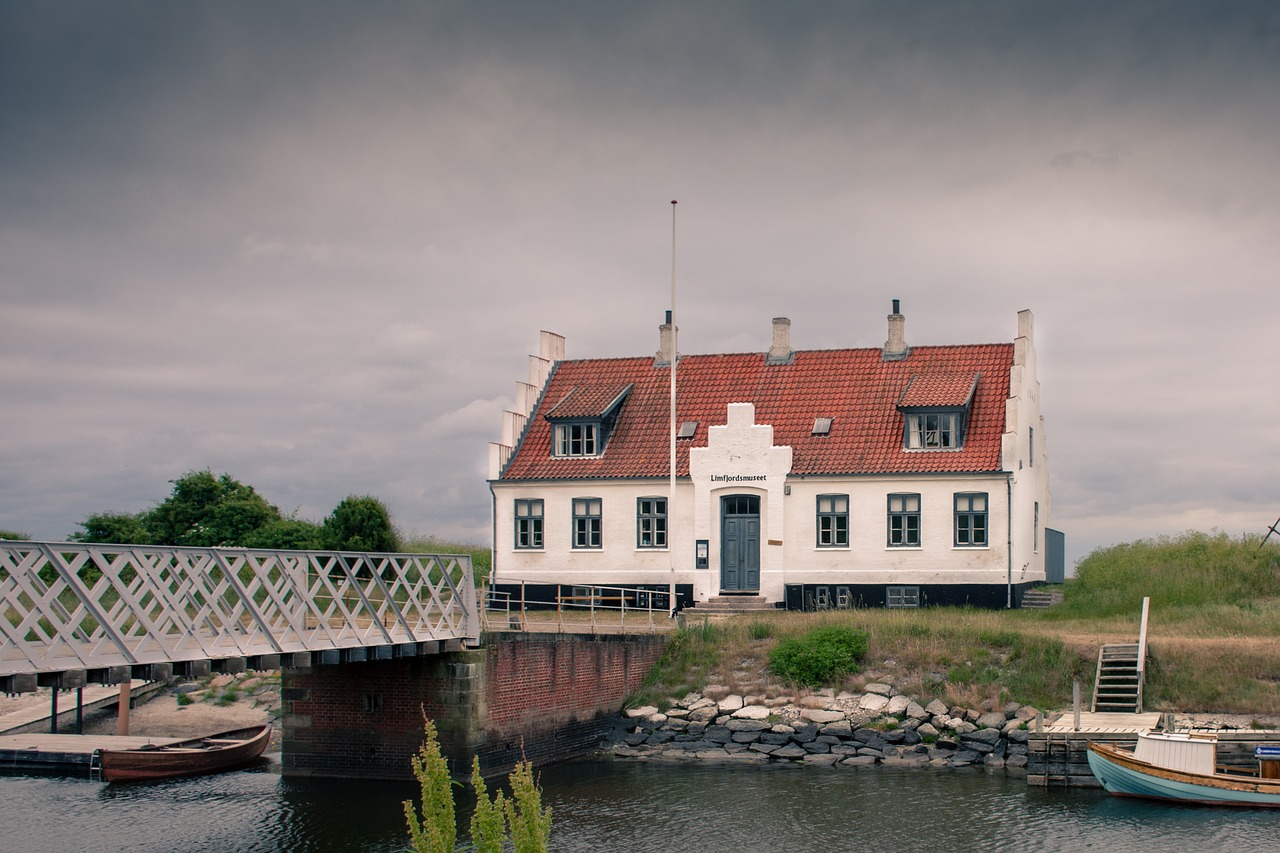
81	613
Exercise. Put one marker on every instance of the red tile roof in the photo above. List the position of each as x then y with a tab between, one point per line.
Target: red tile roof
855	387
938	389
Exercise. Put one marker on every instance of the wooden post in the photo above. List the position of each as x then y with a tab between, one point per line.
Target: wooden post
79	710
1075	701
53	711
122	708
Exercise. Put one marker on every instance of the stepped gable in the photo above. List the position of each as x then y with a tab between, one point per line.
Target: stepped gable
857	388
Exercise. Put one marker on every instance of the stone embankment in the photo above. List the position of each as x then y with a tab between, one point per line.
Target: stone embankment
878	726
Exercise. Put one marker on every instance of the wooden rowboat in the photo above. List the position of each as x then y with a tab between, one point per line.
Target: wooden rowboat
1182	767
193	757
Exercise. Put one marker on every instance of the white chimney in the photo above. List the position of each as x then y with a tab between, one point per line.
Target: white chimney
780	352
896	349
666	344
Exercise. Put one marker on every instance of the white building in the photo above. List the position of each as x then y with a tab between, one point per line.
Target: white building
899	476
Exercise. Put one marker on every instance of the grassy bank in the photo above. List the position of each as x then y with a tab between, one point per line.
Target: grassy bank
1214	635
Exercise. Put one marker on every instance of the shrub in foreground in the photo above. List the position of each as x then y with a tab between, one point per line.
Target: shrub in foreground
822	656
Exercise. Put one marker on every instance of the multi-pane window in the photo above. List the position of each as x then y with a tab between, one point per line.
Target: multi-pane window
833	521
933	430
904	521
576	440
971	519
902	596
528	516
651	523
586	522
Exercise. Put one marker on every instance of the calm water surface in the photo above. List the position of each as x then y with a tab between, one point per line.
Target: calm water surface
626	806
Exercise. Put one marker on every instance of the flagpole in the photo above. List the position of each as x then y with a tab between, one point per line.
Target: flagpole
675	357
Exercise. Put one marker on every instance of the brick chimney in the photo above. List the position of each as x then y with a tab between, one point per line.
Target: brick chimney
780	352
666	344
896	349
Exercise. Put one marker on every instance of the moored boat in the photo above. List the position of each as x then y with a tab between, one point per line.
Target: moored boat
211	754
1182	767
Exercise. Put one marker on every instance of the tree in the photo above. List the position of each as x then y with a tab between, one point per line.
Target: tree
205	510
116	528
287	534
360	523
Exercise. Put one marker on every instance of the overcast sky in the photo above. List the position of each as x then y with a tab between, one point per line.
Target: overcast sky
311	244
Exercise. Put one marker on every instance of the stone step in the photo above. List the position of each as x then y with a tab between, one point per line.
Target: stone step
734	604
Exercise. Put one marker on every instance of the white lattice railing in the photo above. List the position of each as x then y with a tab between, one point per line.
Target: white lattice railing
70	606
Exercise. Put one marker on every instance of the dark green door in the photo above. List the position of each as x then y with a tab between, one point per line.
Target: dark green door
740	543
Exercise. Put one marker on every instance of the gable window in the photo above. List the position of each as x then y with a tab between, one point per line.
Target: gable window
833	521
933	430
528	515
586	522
902	596
651	522
904	521
971	519
580	439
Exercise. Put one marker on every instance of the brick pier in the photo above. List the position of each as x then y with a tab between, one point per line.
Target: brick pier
551	695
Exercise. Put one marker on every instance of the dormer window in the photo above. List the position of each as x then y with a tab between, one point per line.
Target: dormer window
933	430
582	420
576	439
935	410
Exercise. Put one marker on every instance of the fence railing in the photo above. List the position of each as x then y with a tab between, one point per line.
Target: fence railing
597	609
66	606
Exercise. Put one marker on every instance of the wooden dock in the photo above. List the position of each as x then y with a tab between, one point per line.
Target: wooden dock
1057	753
67	754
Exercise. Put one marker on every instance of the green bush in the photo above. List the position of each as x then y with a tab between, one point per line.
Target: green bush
822	656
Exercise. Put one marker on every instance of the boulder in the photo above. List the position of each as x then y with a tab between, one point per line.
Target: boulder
885	690
991	720
873	702
642	711
730	703
790	751
752	712
821	716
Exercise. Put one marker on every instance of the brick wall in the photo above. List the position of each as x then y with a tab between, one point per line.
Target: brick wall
548	695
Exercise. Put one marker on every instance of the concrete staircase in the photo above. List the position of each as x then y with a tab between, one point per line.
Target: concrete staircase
727	605
1117	688
1039	598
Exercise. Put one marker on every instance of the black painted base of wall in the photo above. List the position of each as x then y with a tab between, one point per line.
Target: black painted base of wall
988	596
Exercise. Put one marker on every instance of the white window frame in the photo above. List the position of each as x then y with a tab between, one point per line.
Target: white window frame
933	430
576	440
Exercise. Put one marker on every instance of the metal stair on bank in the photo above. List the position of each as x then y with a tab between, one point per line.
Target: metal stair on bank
1039	599
1117	688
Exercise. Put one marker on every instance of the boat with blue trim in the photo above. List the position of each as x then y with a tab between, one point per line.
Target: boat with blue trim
1182	767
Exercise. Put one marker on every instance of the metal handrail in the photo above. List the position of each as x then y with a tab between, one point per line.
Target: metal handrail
603	609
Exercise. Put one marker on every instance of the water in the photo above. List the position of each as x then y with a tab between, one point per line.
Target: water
629	806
